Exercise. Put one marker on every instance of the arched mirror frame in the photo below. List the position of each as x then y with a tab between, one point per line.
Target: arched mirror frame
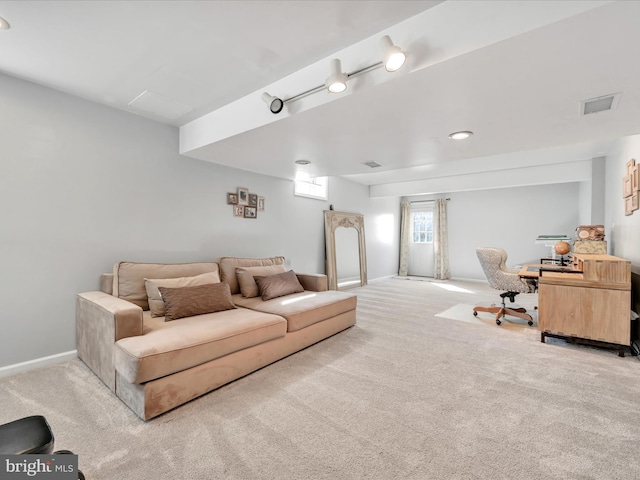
332	221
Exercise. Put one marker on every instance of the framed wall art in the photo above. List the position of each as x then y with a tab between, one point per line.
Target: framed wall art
250	212
238	210
626	186
631	187
243	196
245	204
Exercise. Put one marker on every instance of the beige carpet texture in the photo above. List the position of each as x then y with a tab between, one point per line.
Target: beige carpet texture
415	390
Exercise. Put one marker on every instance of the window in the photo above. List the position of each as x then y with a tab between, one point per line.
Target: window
422	227
312	188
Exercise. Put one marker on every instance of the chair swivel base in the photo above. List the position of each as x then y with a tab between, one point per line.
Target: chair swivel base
501	311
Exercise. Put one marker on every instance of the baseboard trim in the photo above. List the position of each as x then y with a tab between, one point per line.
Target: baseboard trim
380	279
37	363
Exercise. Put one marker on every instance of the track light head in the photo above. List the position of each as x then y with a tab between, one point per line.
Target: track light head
337	81
275	104
394	57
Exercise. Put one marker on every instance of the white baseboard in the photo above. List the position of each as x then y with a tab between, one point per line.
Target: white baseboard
37	363
379	279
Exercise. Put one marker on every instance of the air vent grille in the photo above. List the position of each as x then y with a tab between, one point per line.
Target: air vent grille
373	164
599	104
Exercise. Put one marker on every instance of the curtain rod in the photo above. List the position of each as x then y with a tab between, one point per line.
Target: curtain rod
427	201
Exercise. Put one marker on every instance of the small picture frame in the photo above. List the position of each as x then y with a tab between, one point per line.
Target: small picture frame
238	210
261	204
253	200
626	186
630	164
243	196
634	201
232	198
628	205
250	212
635	179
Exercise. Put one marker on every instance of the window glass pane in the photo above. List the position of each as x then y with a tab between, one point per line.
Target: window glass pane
422	227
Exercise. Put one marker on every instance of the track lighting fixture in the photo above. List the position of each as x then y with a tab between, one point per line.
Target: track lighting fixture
393	58
275	104
337	81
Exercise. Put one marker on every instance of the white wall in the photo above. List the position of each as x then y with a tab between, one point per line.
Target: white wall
510	218
622	232
84	186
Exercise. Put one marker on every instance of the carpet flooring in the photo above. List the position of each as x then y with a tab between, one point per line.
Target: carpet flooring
407	393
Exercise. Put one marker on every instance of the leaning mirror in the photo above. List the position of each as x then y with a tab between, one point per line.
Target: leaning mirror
345	250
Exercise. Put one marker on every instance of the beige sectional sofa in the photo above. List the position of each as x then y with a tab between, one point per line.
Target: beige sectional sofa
154	365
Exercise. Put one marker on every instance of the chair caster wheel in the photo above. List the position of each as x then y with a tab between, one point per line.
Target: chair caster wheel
498	322
530	322
475	314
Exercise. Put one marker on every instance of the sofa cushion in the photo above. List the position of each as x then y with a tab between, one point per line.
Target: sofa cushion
278	285
228	267
156	304
168	347
128	277
302	309
198	300
246	280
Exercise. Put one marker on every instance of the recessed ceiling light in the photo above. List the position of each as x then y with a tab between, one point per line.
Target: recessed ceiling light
302	162
460	135
4	25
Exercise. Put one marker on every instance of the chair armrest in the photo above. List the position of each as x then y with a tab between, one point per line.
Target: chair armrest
102	320
314	282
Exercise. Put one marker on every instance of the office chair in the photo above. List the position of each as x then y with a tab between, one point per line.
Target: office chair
493	262
29	435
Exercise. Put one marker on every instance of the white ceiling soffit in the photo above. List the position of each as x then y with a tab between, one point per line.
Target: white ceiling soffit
448	30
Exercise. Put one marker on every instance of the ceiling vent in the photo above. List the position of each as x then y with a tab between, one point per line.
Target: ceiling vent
599	104
373	164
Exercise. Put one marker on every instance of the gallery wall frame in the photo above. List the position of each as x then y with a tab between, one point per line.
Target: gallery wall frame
245	204
631	187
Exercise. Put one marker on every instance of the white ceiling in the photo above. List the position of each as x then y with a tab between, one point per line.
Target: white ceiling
513	72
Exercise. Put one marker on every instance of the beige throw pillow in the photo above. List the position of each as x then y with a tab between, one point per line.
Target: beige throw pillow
245	275
278	285
156	305
190	301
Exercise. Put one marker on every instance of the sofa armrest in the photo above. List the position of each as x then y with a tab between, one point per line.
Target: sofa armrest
102	320
106	283
314	282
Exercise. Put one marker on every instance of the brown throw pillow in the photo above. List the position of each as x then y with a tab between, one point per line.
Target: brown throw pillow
198	300
156	305
278	285
248	286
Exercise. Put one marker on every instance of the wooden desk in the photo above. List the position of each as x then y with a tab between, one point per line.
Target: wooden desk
532	270
592	305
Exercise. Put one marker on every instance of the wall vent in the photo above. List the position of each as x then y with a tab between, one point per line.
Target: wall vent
373	164
599	104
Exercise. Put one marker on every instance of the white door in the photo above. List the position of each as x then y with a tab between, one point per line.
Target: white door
421	241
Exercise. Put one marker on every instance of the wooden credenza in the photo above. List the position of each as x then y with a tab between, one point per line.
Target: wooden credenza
592	305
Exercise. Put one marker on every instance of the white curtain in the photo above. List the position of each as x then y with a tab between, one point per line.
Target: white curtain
405	234
441	241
